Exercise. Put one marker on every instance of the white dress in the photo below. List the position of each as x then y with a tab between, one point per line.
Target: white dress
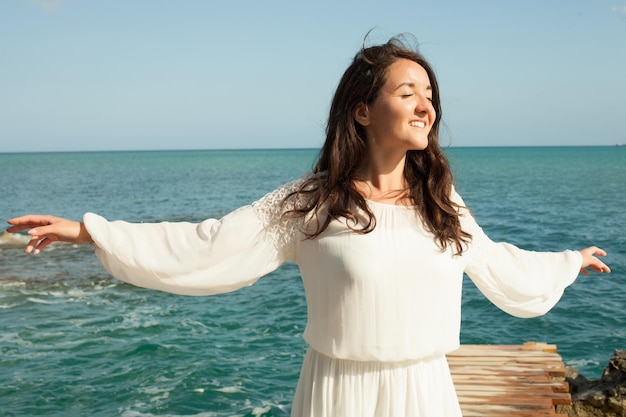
383	308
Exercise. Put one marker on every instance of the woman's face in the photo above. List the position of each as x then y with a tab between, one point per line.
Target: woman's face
402	115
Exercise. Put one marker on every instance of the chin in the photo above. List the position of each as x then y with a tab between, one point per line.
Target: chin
419	146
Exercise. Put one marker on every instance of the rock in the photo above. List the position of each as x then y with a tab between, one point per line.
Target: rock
605	397
615	372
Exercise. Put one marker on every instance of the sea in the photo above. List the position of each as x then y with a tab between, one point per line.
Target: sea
74	341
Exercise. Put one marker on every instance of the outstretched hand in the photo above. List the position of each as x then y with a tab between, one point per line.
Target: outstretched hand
591	262
47	229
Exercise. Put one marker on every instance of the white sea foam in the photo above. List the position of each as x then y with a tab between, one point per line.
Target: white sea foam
580	363
257	411
14	339
230	390
153	390
140	319
20	240
40	301
11	282
133	413
11	240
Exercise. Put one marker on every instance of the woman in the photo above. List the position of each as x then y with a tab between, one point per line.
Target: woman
382	241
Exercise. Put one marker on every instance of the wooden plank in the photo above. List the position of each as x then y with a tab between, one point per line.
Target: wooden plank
513	380
528	346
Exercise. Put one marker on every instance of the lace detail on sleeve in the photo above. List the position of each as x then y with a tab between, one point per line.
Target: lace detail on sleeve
280	230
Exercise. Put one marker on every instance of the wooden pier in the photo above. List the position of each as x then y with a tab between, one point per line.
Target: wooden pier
509	380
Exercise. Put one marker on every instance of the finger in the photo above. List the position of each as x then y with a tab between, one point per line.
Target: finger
19	228
594	250
604	268
37	243
32	244
599	252
42	244
597	266
46	230
600	266
29	218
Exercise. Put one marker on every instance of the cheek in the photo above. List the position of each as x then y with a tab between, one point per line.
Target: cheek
432	114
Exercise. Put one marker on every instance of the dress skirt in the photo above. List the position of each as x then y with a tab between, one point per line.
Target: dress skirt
331	387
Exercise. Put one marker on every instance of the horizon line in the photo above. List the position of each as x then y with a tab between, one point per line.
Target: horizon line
289	149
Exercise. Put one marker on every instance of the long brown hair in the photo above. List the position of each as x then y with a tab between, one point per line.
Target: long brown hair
331	193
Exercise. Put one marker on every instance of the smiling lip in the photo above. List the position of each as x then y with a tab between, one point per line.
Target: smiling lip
417	123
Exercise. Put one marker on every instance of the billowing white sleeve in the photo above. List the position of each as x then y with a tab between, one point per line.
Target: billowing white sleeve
520	282
214	256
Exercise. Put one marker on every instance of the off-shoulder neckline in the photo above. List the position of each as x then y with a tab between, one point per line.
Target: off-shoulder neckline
388	205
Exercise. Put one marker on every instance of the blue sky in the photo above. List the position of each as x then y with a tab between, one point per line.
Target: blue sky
117	75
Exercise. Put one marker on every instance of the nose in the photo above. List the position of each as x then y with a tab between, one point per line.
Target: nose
424	105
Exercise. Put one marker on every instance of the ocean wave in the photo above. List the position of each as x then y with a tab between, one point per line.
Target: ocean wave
60	287
13	240
259	411
42	301
230	390
12	282
20	240
134	413
14	339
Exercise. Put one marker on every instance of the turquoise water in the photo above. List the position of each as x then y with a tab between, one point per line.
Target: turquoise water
76	342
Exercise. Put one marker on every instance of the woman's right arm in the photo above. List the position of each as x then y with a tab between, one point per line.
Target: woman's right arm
211	257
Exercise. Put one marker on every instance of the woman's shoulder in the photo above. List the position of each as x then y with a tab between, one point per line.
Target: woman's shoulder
293	195
457	200
289	198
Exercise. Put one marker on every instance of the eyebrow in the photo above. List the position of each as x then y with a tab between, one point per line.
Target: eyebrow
412	85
